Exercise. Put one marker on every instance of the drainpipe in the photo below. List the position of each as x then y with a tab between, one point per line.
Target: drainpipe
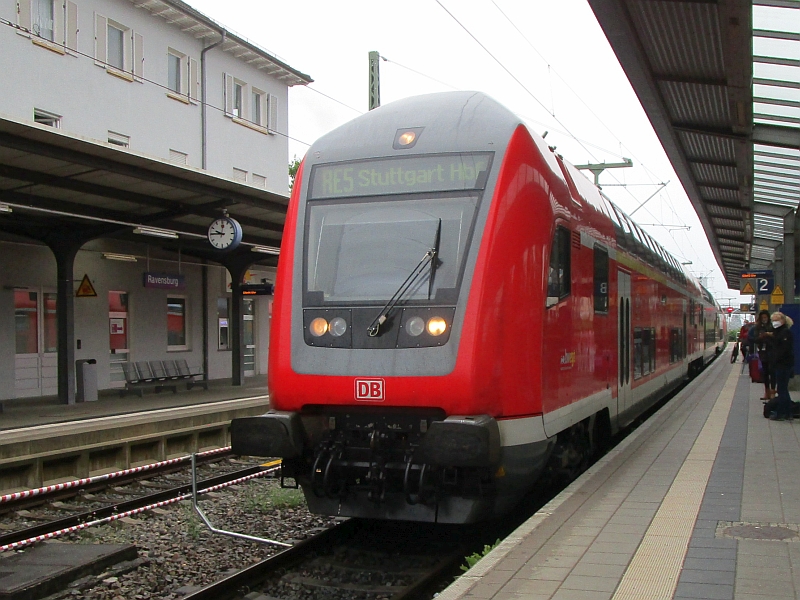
203	96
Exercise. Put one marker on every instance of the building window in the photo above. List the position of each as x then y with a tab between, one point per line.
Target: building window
259	108
116	47
174	78
259	180
49	323
177	157
49	24
43	19
238	99
176	323
239	175
46	118
119	139
26	321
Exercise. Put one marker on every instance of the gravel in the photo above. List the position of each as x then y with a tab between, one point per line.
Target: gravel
178	555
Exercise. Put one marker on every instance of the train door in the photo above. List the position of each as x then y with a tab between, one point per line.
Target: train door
624	396
36	349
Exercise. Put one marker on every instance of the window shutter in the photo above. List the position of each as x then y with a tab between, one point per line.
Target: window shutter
138	54
192	79
100	39
58	21
24	16
71	38
272	125
264	109
227	85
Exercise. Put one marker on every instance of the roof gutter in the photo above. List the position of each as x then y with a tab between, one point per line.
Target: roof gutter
203	116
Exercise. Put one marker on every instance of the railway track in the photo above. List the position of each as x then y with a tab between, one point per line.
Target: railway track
126	507
31	498
360	559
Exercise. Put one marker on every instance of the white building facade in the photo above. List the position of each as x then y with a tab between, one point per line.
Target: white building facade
132	75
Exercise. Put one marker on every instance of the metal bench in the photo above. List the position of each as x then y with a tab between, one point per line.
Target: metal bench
183	370
142	375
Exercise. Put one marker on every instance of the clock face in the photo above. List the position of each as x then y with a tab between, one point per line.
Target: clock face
224	234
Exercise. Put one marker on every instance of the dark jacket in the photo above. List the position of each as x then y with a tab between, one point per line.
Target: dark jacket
759	335
782	348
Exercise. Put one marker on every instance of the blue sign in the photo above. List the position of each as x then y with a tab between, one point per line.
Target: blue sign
164	281
765	273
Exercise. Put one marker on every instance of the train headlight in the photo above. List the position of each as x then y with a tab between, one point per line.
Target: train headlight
415	326
337	327
318	327
436	326
406	138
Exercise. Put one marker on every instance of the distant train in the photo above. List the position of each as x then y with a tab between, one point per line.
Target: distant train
458	313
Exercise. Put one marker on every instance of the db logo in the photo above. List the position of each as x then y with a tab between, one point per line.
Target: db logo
369	390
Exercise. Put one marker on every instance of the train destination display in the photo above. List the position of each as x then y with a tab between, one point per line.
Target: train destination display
400	175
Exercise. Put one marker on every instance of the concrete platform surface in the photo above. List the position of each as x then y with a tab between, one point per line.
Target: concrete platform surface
30	412
50	567
701	501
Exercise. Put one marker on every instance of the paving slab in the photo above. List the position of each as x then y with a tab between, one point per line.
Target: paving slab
702	501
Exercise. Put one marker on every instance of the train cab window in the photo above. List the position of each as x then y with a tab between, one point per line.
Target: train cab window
558	282
600	280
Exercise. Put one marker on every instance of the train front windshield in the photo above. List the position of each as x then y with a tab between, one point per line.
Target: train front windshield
361	247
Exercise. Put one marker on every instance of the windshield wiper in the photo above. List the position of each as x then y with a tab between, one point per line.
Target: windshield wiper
429	257
435	258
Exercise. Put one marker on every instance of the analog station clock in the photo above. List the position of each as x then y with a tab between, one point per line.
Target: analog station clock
225	233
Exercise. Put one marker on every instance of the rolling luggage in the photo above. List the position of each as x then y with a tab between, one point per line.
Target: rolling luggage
756	376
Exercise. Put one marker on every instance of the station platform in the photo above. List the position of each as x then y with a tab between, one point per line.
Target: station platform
701	501
30	412
44	442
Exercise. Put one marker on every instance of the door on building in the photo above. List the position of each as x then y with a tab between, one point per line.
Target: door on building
36	355
624	335
249	336
117	337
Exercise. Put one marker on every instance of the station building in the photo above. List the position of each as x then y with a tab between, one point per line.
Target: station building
126	128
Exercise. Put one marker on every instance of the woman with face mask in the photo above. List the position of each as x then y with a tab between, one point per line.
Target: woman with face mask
782	361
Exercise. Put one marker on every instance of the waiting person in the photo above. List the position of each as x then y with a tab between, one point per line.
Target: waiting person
760	336
743	342
735	352
782	360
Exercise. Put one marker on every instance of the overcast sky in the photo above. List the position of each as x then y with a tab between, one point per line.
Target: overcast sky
552	66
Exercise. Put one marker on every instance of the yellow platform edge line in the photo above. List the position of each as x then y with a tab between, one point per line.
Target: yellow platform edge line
656	566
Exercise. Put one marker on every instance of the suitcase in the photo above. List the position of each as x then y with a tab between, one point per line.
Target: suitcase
755	373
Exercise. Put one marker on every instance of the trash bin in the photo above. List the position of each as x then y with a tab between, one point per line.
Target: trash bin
86	377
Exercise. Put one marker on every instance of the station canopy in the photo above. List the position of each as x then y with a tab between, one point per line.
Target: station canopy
55	182
720	82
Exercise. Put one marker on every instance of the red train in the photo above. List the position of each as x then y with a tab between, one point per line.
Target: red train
458	313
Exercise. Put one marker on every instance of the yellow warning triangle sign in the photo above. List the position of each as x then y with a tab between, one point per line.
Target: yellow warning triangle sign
748	289
85	289
763	305
777	291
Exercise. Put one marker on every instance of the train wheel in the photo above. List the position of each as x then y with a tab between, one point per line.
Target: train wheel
572	453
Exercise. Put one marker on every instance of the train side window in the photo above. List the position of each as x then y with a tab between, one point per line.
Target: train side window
558	281
600	280
644	351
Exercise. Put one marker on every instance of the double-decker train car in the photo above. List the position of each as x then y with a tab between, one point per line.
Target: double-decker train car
459	313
